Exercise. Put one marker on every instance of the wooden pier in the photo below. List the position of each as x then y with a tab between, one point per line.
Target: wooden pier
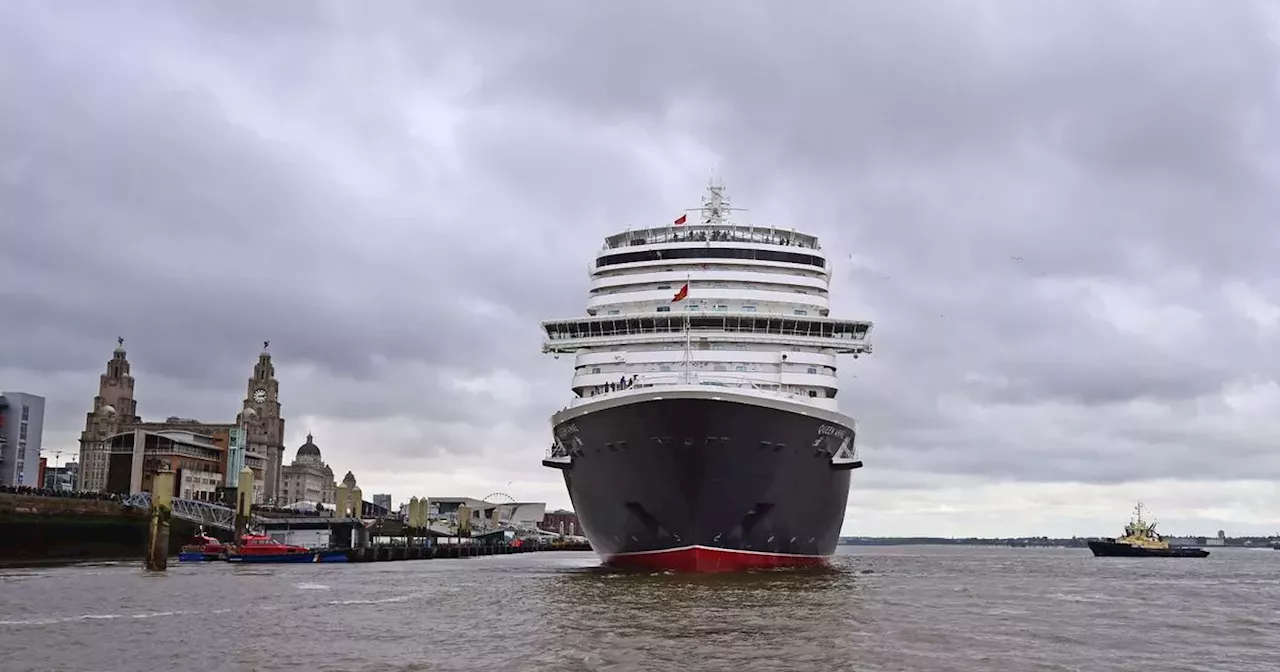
392	553
390	540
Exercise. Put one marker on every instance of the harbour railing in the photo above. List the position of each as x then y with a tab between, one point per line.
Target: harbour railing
201	513
709	379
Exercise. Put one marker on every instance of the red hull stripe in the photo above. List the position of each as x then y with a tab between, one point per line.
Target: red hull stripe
708	559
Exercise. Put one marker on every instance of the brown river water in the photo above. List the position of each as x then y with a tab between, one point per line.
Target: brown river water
880	608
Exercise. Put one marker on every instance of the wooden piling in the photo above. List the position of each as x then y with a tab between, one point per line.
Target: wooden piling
244	503
161	509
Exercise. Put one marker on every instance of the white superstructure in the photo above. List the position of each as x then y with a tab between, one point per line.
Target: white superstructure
754	315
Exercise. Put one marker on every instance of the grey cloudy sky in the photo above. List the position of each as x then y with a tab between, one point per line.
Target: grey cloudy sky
1061	216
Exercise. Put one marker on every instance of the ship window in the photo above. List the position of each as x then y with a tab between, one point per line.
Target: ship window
664	367
614	312
664	286
595	369
813	370
813	393
691	307
721	308
664	309
801	312
711	253
748	309
739	368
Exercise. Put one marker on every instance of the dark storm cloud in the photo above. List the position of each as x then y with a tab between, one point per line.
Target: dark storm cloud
1050	197
146	210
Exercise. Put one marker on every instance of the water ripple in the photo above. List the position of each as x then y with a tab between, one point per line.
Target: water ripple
909	608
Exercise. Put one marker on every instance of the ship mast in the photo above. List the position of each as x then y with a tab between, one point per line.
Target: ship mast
715	206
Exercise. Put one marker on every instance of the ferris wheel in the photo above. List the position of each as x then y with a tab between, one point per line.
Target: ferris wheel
500	499
500	496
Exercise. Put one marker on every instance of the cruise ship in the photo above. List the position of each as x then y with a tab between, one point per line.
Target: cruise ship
703	432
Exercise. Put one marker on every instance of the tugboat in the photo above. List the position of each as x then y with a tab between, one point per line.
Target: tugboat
1141	541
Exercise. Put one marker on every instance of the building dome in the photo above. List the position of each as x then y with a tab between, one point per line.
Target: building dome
349	480
309	449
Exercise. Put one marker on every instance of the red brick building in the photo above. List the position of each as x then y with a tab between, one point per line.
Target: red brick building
561	521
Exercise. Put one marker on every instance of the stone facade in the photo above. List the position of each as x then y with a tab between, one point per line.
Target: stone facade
308	479
264	425
114	411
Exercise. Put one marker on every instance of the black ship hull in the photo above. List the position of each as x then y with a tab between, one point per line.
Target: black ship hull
1115	549
700	482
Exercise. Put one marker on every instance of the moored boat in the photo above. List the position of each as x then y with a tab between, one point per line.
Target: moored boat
260	548
203	548
1140	540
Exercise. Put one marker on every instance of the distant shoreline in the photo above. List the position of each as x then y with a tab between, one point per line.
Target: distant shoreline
1042	542
947	541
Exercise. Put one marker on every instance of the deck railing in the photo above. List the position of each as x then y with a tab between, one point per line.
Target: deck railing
711	233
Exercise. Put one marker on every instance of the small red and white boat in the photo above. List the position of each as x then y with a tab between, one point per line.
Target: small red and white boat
262	548
203	548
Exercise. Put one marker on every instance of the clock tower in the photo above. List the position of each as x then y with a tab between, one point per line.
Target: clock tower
264	427
114	409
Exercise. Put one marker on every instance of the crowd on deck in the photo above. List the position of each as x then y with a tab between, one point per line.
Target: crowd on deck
698	236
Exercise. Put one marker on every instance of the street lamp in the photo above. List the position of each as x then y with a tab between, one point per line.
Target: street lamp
57	471
57	459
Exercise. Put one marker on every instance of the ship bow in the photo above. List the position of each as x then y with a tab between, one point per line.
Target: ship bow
706	484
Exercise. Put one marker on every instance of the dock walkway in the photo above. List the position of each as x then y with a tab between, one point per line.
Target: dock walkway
393	553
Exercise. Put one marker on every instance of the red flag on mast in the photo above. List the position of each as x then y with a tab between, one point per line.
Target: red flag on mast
682	219
682	294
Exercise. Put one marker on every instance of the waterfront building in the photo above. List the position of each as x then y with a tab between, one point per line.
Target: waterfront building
253	440
264	425
62	478
485	514
113	409
308	478
236	445
383	501
560	521
21	429
196	460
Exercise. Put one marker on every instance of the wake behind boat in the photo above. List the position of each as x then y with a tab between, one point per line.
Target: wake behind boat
1141	541
703	433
